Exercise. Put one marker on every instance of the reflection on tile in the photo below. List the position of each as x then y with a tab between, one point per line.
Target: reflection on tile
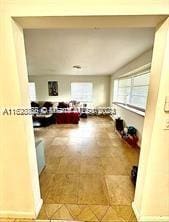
60	141
120	189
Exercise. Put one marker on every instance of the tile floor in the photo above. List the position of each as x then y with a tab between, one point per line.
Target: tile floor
87	173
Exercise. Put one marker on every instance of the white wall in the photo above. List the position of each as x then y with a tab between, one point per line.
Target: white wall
19	186
151	202
101	87
131	118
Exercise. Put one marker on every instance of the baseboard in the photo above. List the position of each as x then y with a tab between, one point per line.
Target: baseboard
16	214
148	218
154	219
22	214
38	208
136	212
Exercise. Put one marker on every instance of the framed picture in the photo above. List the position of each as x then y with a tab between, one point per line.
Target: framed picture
53	88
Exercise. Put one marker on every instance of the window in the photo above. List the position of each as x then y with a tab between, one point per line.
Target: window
32	91
82	91
132	90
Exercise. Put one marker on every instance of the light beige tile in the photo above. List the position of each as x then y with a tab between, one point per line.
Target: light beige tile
103	142
87	215
21	220
55	189
42	214
75	209
51	209
126	213
105	152
112	216
114	166
91	165
60	141
9	220
62	214
45	182
69	165
55	151
92	190
52	164
120	190
41	221
75	150
70	189
99	210
89	151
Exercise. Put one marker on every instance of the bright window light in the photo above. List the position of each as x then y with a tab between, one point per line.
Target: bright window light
132	90
32	91
82	91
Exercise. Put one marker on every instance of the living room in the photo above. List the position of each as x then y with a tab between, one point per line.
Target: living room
81	69
21	197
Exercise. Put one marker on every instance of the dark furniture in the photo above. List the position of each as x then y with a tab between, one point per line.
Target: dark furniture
44	120
67	117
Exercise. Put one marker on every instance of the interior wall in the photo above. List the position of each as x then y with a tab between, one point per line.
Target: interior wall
19	186
131	118
101	87
153	173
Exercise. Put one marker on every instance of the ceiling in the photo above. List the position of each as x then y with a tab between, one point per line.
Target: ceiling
96	51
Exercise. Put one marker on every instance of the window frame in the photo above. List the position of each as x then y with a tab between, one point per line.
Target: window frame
132	76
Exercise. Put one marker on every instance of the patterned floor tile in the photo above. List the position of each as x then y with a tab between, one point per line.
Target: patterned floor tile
99	210
62	214
87	215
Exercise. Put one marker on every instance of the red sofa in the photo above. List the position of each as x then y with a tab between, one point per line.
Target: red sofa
67	117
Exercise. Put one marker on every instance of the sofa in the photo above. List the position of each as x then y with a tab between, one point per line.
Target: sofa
62	113
67	117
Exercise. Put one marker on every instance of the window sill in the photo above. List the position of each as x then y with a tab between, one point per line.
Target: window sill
141	113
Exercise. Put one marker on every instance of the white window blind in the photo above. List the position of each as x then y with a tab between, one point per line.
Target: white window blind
82	91
124	87
139	90
32	91
132	90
